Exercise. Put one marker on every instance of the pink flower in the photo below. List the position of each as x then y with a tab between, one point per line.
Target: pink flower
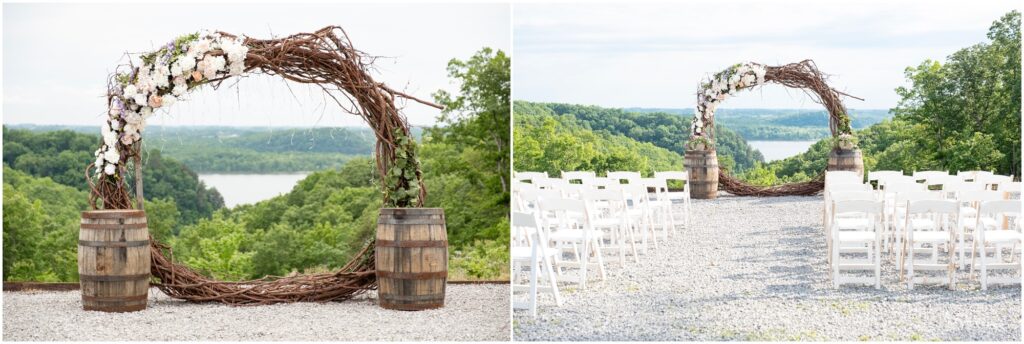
155	101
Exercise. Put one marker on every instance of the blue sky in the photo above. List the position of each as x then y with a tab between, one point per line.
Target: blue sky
56	57
654	55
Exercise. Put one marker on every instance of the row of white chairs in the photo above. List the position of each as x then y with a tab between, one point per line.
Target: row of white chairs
563	227
909	219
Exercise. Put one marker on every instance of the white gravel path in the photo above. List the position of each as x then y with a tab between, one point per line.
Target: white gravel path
754	269
471	312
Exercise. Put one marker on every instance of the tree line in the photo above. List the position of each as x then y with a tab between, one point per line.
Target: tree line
317	226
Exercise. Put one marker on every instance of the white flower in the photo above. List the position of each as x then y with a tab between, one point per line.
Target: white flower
155	101
131	128
169	99
131	118
140	99
99	161
179	90
160	76
214	64
236	68
759	71
235	50
146	112
111	154
187	63
176	69
748	79
115	124
130	91
733	80
126	139
199	47
109	169
109	136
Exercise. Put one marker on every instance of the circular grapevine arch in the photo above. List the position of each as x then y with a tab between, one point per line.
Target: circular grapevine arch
325	58
802	75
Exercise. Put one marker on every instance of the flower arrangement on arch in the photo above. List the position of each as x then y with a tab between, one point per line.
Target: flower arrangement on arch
846	141
699	143
720	87
164	76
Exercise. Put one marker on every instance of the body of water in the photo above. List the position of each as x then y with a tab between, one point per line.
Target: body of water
778	150
251	188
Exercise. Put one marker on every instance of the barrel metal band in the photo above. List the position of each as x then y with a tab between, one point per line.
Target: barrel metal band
412	307
93	243
114	298
112	278
435	297
113	214
411	243
116	309
412	275
115	226
410	221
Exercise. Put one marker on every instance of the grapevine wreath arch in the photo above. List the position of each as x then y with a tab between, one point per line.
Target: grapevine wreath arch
325	58
802	75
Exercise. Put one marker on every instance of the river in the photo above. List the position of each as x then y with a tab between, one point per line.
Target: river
778	150
251	188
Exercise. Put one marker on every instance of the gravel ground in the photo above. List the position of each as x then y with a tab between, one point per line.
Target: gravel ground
471	312
754	269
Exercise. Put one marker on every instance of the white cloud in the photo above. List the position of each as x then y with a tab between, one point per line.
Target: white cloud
653	55
57	56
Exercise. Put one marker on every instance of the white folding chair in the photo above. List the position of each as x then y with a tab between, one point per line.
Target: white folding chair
879	177
992	181
994	238
550	183
529	249
943	214
969	201
529	176
868	236
659	205
925	175
846	221
572	233
972	175
1010	190
638	214
609	215
683	197
578	175
629	176
897	218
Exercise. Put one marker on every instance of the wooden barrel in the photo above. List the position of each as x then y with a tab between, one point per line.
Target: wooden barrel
703	169
846	160
412	258
113	260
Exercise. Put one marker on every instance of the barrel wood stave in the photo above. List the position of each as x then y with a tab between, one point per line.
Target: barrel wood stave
702	167
412	258
114	260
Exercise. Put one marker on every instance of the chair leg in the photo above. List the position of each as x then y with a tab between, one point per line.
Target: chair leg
951	271
984	268
553	284
600	263
835	265
584	261
878	265
533	281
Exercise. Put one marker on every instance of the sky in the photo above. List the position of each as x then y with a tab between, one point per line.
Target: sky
655	55
56	57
